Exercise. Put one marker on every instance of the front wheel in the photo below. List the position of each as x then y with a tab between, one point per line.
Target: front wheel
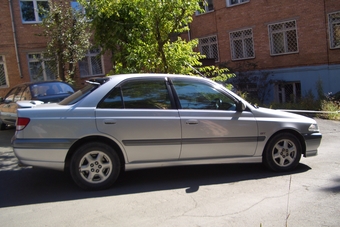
95	166
283	152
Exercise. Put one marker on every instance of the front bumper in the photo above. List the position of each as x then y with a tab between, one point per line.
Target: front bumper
313	142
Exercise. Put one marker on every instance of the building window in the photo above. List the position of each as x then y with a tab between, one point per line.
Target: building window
32	10
91	64
236	2
41	69
242	45
283	38
334	29
289	92
77	7
206	6
3	77
208	47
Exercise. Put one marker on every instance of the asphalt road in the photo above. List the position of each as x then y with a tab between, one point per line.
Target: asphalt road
214	195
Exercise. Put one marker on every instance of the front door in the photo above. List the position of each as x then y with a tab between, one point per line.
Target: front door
211	126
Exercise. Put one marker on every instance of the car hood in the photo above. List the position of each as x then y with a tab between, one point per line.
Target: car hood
270	113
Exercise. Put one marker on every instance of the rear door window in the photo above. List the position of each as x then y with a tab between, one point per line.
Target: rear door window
139	94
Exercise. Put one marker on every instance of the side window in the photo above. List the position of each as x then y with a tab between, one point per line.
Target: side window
26	95
148	94
18	94
10	96
202	96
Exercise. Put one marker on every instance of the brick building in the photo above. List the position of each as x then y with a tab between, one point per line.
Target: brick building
21	48
296	42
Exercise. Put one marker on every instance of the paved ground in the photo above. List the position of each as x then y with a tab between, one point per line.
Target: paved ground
216	195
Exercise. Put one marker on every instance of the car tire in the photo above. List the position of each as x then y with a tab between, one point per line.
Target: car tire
95	166
282	153
3	126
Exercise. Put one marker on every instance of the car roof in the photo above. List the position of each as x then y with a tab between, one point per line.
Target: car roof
122	77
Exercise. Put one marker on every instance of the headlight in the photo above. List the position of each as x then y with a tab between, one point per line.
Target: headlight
313	128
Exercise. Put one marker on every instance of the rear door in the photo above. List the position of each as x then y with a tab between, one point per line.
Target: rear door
211	126
140	115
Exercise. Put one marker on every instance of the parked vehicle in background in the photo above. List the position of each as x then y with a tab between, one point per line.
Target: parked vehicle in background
136	121
30	94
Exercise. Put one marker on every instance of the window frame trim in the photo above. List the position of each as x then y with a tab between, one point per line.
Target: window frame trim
331	32
88	56
237	4
35	8
206	10
209	44
271	46
3	62
231	44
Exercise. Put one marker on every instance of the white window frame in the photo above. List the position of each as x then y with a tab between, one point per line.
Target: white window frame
244	47
334	23
42	61
4	71
231	3
87	58
36	11
210	46
281	91
285	38
206	6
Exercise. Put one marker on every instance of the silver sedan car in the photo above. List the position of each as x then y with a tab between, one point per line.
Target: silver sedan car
127	122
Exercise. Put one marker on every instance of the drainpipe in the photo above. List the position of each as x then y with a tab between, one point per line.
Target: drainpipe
15	38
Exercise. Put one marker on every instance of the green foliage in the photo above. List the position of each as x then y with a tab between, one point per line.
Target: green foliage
143	35
67	33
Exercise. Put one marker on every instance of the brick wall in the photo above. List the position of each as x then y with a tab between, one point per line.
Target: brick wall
312	30
27	42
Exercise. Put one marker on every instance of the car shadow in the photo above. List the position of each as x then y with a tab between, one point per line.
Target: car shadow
25	186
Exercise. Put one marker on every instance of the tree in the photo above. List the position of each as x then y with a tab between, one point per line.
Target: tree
68	35
144	35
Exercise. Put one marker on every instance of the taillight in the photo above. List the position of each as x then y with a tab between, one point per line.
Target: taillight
22	122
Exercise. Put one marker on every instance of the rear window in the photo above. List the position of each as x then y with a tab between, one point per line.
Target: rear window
79	95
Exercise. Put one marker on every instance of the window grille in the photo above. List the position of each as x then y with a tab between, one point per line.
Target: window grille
334	29
283	38
206	6
242	45
31	10
208	47
3	78
288	92
41	69
236	2
91	64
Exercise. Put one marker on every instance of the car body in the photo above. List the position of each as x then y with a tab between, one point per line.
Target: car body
135	121
29	94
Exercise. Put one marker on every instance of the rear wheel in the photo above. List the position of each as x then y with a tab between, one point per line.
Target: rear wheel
95	166
283	152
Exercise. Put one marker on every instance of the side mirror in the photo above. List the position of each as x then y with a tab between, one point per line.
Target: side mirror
240	107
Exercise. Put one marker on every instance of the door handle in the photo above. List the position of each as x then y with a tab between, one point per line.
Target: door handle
109	122
191	122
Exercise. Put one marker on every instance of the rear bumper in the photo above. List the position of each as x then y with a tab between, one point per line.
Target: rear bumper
313	142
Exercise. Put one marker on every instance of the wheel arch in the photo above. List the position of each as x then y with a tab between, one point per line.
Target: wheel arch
89	139
293	132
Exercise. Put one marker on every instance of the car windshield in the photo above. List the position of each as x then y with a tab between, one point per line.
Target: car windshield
48	89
